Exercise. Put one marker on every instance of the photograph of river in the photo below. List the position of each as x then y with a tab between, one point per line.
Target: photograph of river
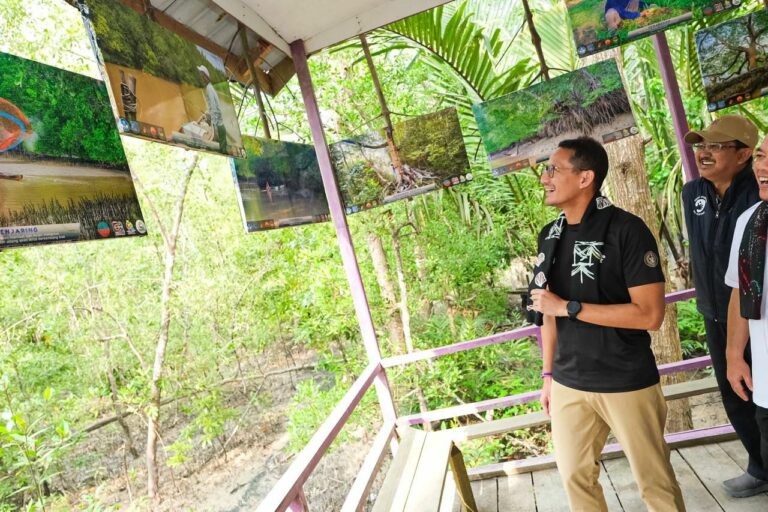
279	184
63	172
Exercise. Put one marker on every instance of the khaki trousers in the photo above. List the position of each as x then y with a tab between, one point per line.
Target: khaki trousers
581	421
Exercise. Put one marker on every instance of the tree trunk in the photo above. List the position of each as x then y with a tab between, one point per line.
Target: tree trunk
381	267
153	411
536	40
116	406
406	316
630	190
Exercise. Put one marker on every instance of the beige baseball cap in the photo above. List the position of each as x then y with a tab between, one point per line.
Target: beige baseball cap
724	129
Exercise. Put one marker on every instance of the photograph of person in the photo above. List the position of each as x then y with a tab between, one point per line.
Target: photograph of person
166	88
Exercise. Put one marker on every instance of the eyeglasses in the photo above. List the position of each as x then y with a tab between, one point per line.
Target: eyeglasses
712	146
550	169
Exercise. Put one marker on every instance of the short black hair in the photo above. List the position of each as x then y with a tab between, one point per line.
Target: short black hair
588	154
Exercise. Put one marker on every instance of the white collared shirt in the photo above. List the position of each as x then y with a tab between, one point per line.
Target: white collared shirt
758	329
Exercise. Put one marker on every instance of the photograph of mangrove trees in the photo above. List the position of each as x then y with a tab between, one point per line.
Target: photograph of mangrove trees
734	60
63	172
279	184
523	128
166	88
427	153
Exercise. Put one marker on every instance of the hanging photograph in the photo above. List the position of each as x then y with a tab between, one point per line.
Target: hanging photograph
522	129
165	88
602	24
279	185
426	153
734	60
63	173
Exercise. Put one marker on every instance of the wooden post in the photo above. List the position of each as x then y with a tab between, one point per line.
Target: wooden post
254	80
347	249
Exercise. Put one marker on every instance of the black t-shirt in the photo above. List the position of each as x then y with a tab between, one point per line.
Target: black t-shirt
605	359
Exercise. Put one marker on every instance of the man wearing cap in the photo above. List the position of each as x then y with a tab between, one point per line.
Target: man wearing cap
214	108
711	204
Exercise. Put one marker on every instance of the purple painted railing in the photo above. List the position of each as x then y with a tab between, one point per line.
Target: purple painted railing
288	494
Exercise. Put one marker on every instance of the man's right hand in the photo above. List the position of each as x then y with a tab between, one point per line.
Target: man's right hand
546	394
738	375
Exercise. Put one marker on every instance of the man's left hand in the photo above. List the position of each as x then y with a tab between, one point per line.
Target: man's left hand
548	303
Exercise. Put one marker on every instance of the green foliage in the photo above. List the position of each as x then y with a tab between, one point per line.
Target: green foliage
70	114
128	39
693	336
31	449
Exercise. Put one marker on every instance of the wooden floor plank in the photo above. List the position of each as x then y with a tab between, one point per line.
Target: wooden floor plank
550	494
736	451
696	495
624	484
485	495
712	464
516	493
450	499
611	499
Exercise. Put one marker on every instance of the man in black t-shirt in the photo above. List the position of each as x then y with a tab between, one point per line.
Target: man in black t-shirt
599	289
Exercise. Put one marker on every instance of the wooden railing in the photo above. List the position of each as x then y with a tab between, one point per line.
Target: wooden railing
288	493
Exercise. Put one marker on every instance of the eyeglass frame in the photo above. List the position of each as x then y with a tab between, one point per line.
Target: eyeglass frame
551	169
714	146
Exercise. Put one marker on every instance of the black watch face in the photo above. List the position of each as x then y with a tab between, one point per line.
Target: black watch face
573	308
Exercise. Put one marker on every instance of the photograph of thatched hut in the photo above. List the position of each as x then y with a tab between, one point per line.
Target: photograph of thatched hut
63	174
734	60
523	128
279	184
165	87
426	153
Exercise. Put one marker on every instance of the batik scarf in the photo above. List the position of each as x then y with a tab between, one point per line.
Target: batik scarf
592	229
752	263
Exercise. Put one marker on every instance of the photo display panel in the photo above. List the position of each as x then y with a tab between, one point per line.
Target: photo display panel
429	154
166	88
602	24
63	174
279	185
523	128
733	58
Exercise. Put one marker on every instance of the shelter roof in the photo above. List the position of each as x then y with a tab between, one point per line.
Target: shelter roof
271	25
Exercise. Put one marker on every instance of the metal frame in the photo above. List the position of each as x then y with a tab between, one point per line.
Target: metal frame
288	493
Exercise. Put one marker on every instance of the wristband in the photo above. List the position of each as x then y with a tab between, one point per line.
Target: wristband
546	374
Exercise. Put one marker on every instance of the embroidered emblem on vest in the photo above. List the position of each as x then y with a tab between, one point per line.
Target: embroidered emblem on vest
540	279
699	204
557	228
585	256
540	259
603	202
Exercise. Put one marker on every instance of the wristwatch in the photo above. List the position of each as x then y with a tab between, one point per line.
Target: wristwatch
573	308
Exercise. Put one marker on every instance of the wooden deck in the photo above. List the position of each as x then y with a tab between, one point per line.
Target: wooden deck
700	471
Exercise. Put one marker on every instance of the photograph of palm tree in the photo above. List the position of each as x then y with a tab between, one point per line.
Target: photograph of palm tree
63	174
734	60
602	24
166	88
524	127
279	184
424	153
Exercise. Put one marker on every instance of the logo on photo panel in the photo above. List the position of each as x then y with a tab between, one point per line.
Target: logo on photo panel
699	204
585	256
